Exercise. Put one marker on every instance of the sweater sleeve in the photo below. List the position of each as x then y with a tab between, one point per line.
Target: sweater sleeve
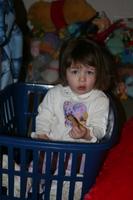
98	117
45	114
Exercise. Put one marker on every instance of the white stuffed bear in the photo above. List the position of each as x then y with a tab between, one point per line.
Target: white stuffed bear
51	73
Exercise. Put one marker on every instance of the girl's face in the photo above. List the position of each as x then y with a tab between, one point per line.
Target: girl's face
81	78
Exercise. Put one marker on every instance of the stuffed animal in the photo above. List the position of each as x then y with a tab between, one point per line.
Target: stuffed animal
58	14
50	74
44	66
122	91
102	22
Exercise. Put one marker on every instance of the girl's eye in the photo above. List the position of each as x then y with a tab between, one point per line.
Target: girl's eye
74	71
90	72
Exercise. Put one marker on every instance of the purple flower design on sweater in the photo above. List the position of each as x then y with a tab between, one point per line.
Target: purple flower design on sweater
77	110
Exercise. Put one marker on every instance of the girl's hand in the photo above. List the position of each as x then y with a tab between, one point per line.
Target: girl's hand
42	136
80	133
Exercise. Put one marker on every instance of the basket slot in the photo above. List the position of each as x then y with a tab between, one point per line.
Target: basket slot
7	118
24	159
61	174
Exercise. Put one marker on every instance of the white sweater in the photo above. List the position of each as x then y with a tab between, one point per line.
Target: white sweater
91	109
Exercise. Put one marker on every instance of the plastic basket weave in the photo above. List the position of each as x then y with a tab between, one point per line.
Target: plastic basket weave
18	109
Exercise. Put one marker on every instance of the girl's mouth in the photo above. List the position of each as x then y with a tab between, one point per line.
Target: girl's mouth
81	88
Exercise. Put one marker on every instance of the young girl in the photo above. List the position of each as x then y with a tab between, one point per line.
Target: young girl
77	108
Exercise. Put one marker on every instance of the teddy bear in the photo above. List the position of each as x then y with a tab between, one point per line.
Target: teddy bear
55	15
43	67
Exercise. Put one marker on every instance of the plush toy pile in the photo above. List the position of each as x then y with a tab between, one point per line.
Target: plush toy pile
120	44
51	22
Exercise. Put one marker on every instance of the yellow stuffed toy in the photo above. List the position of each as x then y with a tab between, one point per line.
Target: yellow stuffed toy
60	13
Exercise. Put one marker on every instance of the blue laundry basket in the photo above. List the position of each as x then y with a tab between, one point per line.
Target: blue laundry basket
18	110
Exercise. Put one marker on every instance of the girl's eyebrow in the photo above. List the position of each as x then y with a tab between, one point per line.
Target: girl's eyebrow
77	66
88	67
91	68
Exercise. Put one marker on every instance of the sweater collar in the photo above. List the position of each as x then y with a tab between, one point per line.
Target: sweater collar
66	91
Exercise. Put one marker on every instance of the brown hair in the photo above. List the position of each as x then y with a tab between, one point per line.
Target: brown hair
87	52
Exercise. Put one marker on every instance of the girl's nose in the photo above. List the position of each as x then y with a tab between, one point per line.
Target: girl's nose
82	77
